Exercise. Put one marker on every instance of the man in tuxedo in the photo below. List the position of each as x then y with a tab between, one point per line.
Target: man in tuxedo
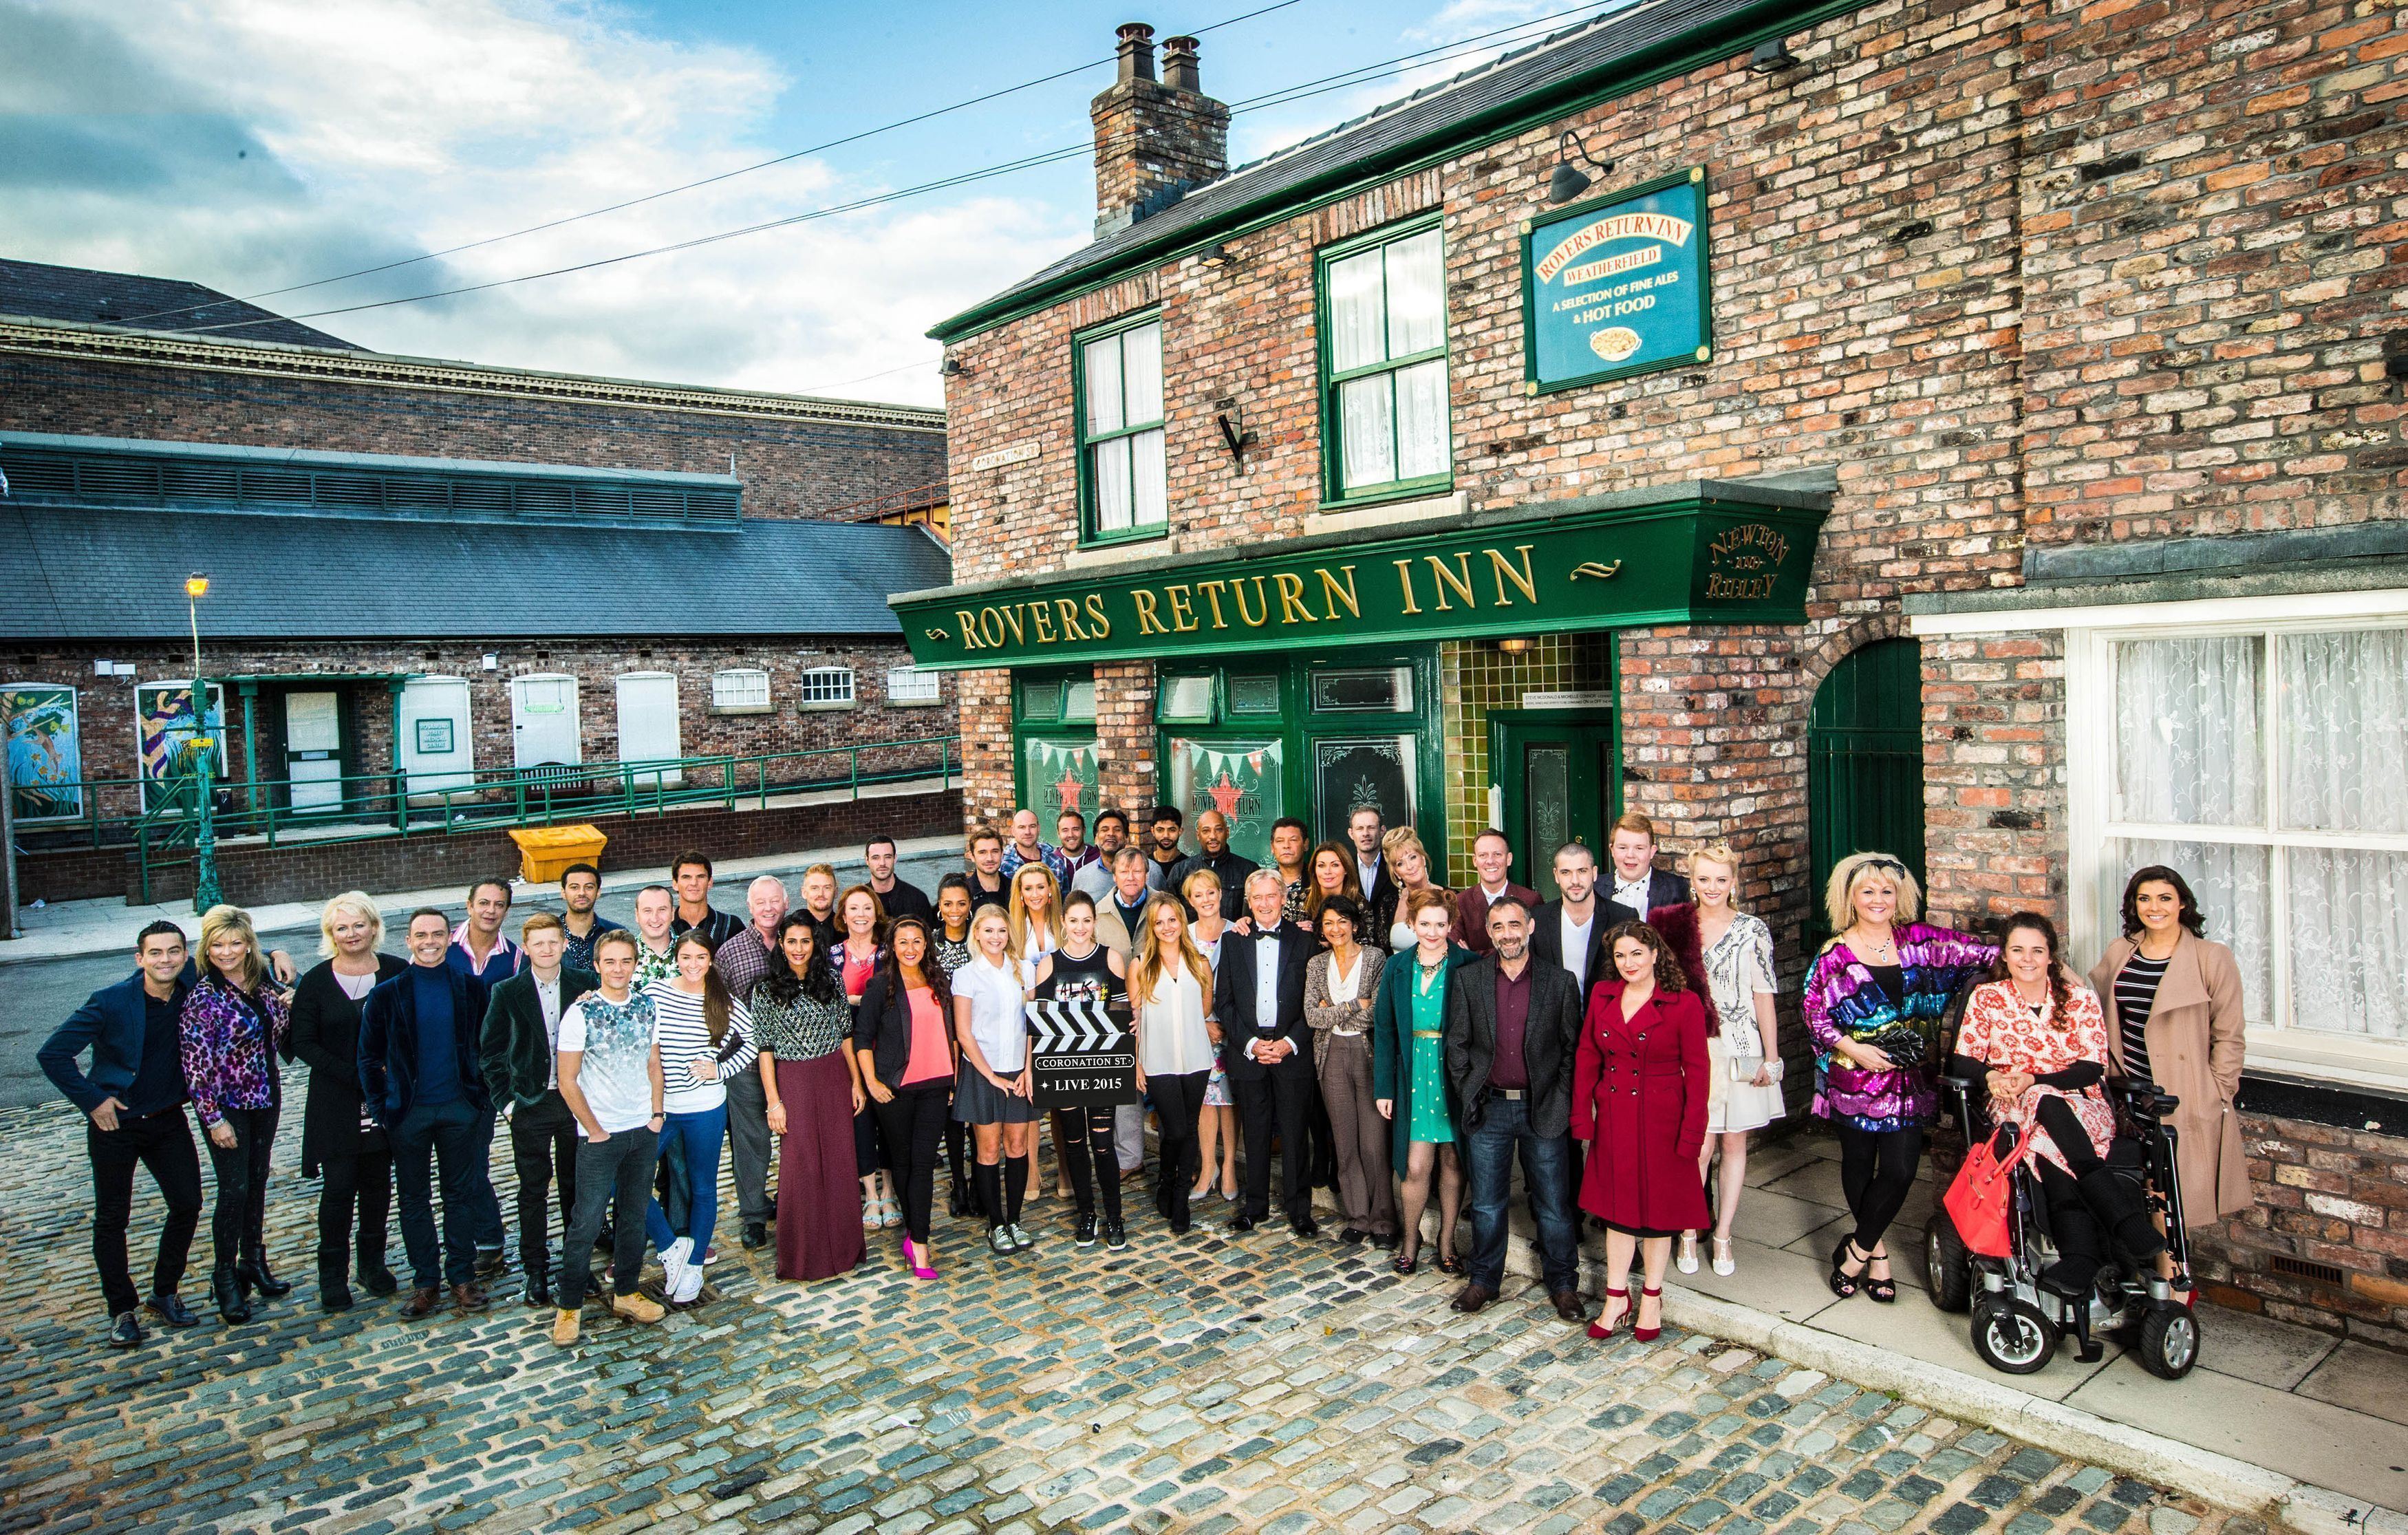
1365	829
1512	1026
1258	996
1568	931
1639	886
1492	856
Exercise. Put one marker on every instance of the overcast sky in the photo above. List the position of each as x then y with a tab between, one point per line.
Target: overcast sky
253	144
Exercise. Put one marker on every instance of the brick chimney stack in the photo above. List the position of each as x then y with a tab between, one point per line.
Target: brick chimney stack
1155	139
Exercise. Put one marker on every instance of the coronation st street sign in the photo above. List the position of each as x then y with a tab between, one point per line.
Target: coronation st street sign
1722	561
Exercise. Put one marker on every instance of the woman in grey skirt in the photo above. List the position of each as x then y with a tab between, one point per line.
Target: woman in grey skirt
994	1097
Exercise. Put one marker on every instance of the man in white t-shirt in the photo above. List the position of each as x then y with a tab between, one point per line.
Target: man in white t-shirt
610	1077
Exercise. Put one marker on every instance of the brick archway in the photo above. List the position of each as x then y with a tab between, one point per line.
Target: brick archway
1841	643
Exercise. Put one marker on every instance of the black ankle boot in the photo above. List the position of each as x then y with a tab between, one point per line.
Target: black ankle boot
2125	1213
334	1290
253	1271
226	1290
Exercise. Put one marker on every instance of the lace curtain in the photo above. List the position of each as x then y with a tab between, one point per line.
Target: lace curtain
2188	750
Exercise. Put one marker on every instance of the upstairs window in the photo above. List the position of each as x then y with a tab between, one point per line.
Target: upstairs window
913	685
1123	481
739	690
1384	425
825	687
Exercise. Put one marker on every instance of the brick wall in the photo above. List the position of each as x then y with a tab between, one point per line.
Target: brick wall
310	872
105	704
790	467
1994	775
2332	1197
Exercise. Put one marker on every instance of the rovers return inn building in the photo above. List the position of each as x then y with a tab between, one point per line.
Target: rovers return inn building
1968	429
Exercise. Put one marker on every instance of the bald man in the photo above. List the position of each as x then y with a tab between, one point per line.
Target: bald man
742	961
1212	835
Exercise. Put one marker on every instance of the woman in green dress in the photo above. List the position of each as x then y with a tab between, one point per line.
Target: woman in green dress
1408	1076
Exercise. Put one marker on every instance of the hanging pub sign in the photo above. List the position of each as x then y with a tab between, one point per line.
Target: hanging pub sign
1617	285
1080	1055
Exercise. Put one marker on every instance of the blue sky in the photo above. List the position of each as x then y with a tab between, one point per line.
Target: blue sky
251	144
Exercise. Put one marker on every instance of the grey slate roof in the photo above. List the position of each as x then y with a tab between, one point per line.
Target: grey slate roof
1395	133
41	292
82	572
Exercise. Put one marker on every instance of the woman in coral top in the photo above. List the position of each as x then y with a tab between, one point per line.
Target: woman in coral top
1639	1098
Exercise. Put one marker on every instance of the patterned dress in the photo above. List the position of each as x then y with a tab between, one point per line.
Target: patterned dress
1842	998
799	1030
1739	969
2003	1034
1430	1120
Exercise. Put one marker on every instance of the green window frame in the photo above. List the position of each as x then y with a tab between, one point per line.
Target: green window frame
1387	427
1123	475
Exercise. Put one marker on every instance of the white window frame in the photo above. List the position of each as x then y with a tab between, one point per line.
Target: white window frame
720	704
803	689
923	687
2095	880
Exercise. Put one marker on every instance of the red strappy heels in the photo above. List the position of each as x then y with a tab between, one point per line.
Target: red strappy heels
1648	1335
1597	1329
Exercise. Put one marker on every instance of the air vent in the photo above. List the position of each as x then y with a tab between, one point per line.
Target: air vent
102	478
39	476
275	485
546	498
350	490
201	481
429	495
608	500
2307	1268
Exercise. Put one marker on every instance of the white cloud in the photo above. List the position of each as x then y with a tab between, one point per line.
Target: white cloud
266	142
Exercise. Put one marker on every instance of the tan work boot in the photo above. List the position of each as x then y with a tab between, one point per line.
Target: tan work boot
564	1326
635	1308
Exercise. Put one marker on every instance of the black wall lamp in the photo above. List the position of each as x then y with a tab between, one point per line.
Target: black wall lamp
1568	182
1772	57
952	368
1217	255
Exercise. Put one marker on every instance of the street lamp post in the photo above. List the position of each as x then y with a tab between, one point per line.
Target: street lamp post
205	840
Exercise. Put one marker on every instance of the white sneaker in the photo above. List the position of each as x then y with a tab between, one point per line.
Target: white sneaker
1687	1261
689	1287
673	1262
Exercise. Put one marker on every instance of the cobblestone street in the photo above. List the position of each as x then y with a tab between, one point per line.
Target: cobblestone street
1199	1384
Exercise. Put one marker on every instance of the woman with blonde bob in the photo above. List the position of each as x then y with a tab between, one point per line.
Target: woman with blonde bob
1872	1004
234	1024
1178	1039
1734	959
337	1139
1410	861
1217	1122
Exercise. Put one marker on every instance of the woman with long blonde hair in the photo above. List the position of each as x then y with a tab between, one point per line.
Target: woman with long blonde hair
233	1026
1742	1038
1036	923
1178	1039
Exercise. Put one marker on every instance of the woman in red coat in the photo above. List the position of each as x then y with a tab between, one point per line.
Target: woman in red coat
1639	1098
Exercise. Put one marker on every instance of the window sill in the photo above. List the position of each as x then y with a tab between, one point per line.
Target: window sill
900	703
743	709
1113	550
1346	516
824	709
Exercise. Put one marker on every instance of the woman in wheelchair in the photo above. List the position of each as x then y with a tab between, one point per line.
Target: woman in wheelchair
2038	1042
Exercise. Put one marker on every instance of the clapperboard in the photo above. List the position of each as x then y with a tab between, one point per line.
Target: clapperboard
1084	1056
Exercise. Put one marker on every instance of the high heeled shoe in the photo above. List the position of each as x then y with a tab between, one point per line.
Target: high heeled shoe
1601	1328
1844	1284
1648	1335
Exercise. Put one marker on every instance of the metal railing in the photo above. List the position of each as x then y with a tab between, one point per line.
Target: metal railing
156	820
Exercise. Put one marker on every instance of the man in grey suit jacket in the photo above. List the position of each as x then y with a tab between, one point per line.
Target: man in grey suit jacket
1513	1025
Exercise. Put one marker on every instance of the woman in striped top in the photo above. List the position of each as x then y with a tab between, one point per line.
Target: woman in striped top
704	1035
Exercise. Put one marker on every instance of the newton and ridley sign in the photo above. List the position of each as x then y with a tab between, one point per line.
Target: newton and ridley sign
1617	285
1707	561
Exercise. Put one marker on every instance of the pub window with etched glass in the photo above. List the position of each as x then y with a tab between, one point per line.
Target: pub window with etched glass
1385	424
1124	484
2271	767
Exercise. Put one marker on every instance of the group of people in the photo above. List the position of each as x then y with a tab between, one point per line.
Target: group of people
1379	1035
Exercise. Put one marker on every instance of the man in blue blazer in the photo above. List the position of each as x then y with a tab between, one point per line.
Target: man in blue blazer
1266	1049
135	1096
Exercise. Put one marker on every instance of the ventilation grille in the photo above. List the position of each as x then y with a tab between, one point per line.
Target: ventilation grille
2307	1268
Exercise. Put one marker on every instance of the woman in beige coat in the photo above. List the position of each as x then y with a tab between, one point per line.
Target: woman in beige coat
2184	994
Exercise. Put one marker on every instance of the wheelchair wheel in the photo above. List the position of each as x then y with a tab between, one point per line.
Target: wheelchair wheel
1947	1266
2013	1336
2169	1342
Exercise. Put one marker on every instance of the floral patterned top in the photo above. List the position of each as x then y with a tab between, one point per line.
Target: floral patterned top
229	1043
2003	1034
1739	968
1842	998
651	966
801	1030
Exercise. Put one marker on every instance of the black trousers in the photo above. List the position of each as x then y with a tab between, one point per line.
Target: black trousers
615	1179
911	1129
1876	1173
1281	1101
161	1142
454	1136
239	1221
543	1147
1086	1149
1178	1104
362	1184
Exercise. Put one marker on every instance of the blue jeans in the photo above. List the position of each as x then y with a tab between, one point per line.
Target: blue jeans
699	1135
1546	1176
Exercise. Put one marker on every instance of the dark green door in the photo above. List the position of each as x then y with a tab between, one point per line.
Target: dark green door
1559	787
1864	757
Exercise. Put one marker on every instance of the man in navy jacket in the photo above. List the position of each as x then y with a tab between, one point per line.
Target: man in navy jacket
420	1079
1267	1046
135	1096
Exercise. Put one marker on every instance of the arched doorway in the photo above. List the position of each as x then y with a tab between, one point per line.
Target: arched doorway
1864	763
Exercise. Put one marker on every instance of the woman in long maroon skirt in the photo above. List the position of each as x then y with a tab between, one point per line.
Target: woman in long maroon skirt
802	1021
1639	1098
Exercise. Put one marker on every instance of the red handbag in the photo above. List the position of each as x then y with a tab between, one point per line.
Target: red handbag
1979	1199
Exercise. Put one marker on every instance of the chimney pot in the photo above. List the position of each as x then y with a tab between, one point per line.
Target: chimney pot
1136	51
1179	63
